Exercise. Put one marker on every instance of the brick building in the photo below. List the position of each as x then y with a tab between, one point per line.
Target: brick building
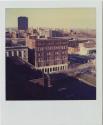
51	55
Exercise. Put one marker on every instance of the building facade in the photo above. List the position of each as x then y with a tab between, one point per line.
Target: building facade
21	52
87	48
16	47
44	32
73	46
22	23
51	55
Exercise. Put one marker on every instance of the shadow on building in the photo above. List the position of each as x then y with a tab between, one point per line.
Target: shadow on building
24	82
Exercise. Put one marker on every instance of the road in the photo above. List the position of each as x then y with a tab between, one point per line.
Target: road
83	73
88	79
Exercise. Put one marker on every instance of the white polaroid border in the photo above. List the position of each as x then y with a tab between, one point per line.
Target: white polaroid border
73	112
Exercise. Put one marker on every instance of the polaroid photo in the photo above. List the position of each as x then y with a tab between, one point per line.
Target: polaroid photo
51	62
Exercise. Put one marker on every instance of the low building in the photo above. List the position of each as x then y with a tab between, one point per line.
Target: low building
57	33
44	32
80	59
21	52
17	47
87	48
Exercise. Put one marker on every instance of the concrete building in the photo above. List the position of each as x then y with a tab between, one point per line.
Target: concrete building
44	32
21	52
16	47
87	48
51	55
22	23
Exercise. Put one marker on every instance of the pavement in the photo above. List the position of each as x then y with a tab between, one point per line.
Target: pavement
88	79
83	72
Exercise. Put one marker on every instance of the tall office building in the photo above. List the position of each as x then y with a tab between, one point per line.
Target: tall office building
22	23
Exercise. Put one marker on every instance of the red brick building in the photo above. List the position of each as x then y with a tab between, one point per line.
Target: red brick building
51	55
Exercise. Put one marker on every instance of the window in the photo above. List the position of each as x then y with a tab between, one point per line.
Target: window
39	54
19	54
53	69
45	70
7	54
15	53
24	54
50	69
48	53
63	67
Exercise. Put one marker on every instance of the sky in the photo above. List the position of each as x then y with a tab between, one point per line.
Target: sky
82	18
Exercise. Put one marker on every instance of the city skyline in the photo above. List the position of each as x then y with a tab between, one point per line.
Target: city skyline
83	18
